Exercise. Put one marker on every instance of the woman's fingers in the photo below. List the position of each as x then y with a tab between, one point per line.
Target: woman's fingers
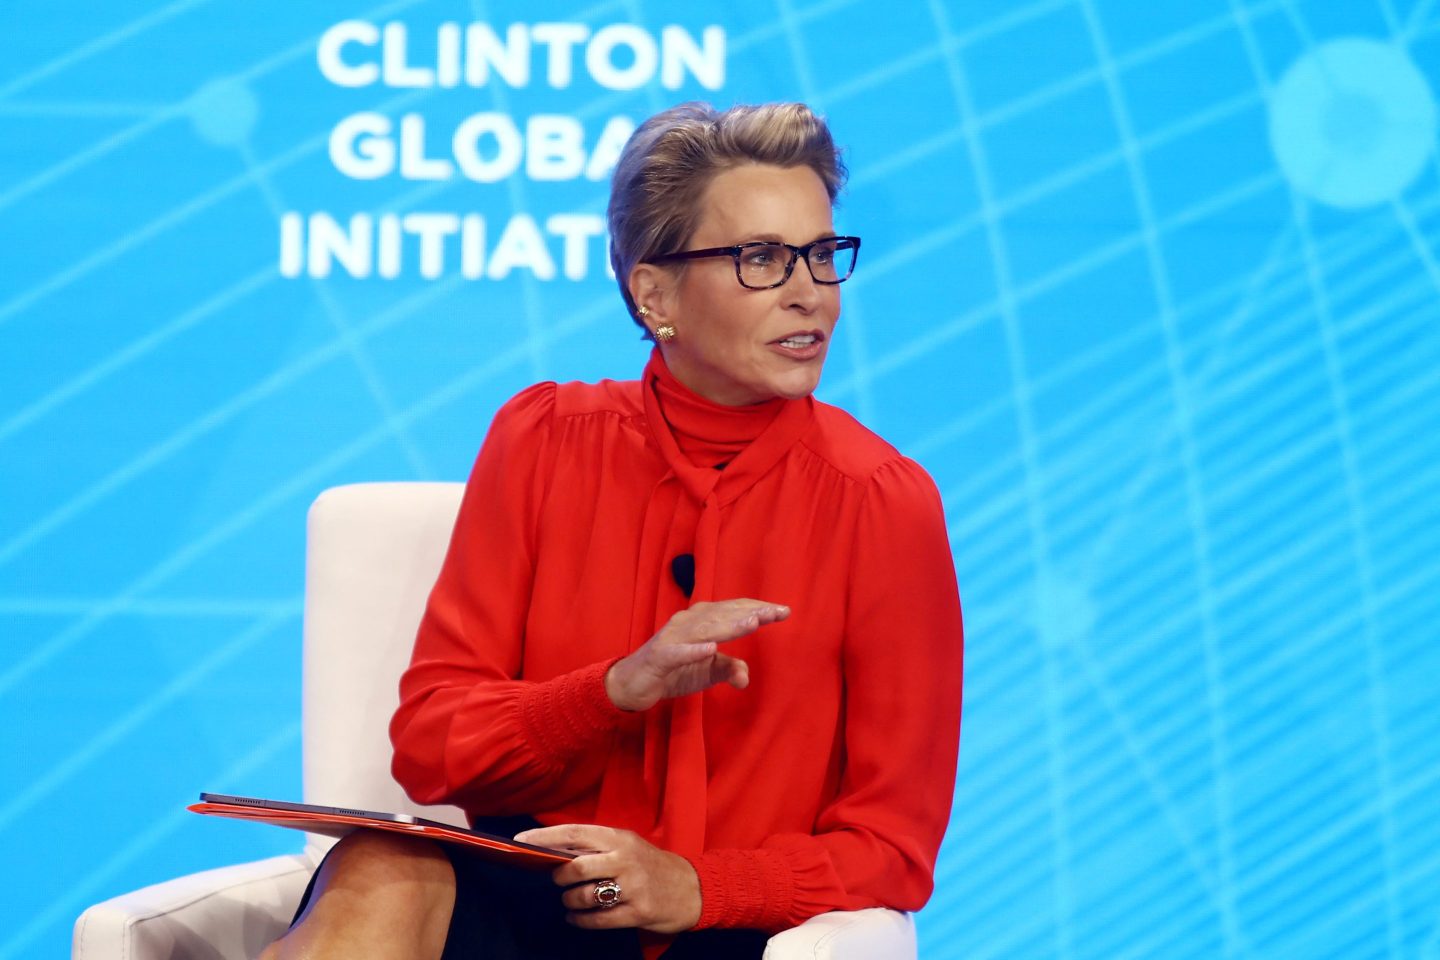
675	655
743	607
580	875
658	890
731	670
587	868
683	657
581	896
723	620
582	838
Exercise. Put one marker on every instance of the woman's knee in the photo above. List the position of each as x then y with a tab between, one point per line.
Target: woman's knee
375	870
375	895
389	856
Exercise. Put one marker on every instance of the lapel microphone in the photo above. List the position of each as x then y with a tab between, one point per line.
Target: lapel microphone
682	568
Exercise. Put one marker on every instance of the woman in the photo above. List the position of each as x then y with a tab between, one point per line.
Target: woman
702	610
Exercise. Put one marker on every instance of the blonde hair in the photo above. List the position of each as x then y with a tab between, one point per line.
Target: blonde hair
671	158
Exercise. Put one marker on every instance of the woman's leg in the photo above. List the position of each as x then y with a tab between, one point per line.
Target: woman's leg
376	895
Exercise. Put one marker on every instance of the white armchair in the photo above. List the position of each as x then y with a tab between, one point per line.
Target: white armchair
373	552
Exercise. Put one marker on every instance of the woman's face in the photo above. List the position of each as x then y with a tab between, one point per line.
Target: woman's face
734	345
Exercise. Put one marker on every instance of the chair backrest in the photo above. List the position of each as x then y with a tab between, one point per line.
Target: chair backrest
373	552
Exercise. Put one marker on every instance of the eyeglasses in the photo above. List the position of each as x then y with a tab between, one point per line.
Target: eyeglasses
762	266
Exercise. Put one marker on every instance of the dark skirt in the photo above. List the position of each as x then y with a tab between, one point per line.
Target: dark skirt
506	913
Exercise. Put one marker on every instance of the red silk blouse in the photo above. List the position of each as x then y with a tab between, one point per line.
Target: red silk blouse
824	785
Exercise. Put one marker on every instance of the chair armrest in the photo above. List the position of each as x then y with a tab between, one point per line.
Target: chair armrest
874	934
232	912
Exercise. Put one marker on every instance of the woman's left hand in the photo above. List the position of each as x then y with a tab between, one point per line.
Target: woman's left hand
659	890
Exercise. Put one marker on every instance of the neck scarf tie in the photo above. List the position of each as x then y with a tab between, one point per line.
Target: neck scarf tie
685	515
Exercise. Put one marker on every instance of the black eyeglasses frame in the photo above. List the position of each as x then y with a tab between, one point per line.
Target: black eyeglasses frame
796	253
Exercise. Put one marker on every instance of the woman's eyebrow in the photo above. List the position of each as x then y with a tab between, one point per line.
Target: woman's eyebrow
776	238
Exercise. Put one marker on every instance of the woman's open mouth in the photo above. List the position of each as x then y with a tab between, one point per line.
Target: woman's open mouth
800	345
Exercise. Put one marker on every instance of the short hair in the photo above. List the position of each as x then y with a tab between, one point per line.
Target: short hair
669	161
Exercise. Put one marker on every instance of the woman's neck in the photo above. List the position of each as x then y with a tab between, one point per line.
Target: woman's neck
710	434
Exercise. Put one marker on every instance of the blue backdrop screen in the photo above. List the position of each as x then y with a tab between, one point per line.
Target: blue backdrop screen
1150	289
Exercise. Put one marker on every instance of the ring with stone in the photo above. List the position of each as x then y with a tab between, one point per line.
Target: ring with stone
607	894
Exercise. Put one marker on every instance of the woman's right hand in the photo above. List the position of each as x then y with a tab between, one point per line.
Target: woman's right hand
684	657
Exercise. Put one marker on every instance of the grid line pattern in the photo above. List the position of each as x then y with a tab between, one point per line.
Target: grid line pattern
1180	408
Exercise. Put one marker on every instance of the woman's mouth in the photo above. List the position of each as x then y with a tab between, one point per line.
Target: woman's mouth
801	345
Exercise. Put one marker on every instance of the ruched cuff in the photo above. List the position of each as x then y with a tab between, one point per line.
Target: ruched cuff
745	888
569	713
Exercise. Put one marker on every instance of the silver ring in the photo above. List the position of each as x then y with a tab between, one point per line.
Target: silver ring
607	894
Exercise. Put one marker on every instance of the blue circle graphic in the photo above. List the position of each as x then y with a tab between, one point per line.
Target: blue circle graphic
1352	123
224	112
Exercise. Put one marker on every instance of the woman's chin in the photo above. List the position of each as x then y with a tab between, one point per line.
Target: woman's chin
797	387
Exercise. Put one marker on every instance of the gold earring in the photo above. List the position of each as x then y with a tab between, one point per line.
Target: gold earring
642	312
664	333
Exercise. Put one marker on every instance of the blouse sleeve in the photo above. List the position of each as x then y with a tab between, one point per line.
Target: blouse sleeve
875	844
467	731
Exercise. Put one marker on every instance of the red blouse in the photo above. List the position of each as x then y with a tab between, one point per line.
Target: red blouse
824	785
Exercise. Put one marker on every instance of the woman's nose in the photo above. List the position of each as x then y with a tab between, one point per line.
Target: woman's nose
801	289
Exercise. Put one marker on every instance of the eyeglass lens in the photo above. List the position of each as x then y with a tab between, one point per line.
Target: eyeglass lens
764	265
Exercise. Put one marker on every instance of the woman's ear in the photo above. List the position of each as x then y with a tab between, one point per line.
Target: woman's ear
653	287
